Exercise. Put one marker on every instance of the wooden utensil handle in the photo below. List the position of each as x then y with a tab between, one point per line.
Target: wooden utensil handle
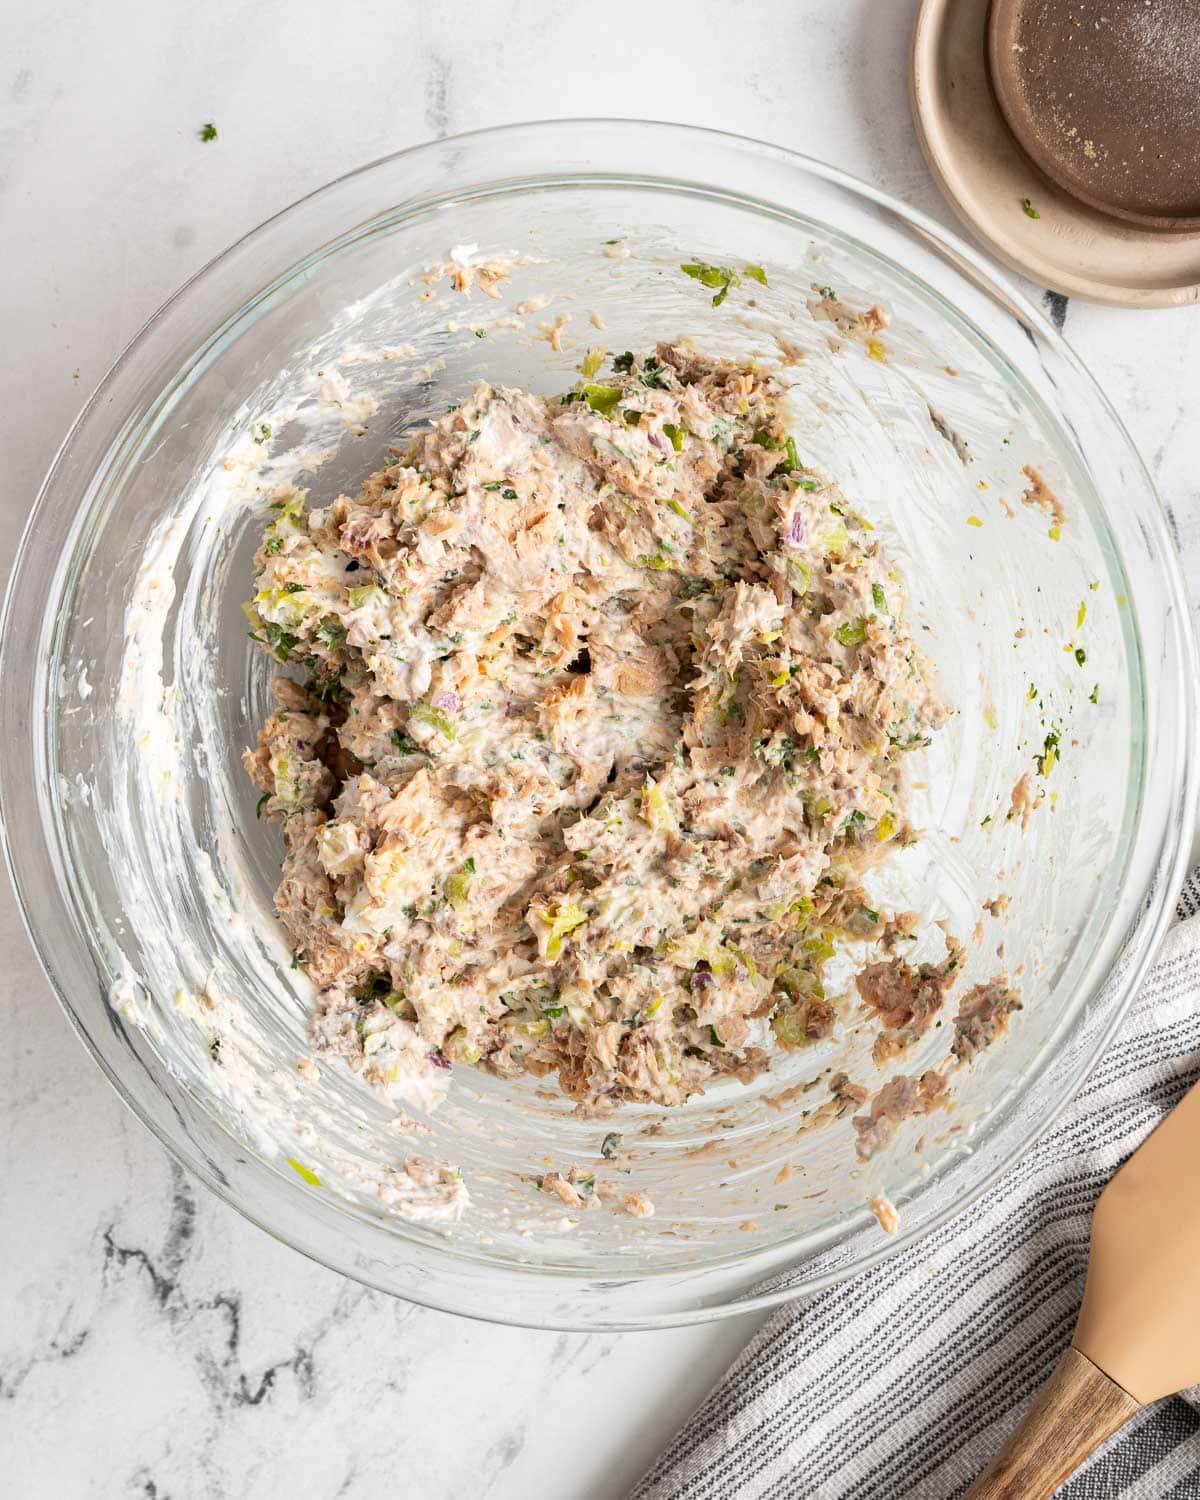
1072	1414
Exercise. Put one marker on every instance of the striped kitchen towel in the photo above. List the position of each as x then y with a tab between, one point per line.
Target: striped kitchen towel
901	1384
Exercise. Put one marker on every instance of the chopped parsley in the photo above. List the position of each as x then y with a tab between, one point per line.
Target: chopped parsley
280	641
1094	695
1048	759
261	803
879	599
330	632
719	277
207	132
1029	210
1080	655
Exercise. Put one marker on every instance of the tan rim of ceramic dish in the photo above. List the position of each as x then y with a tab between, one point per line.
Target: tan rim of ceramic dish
995	189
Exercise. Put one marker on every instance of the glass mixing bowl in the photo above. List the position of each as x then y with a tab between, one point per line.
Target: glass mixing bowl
130	690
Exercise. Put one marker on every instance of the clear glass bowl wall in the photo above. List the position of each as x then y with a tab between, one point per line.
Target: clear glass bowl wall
145	875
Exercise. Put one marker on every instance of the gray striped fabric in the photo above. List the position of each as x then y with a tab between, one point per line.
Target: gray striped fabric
904	1382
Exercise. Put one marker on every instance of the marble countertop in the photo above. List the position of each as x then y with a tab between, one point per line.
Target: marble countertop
152	1344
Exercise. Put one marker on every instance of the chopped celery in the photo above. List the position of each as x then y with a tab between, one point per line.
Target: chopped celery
602	399
655	808
851	632
459	1047
425	713
560	920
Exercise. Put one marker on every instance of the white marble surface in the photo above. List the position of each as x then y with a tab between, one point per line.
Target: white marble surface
151	1343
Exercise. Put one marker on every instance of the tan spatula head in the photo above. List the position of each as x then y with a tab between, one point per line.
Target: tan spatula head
1138	1336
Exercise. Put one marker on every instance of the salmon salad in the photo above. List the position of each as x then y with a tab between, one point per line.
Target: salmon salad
592	717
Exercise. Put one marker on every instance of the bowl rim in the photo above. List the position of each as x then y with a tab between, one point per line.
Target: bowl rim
12	787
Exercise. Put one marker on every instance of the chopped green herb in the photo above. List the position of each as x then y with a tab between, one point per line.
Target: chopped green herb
261	803
263	435
481	333
330	632
281	641
1048	759
1030	211
403	743
1080	655
207	132
675	434
879	598
720	277
623	361
1094	695
714	1038
274	546
828	293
